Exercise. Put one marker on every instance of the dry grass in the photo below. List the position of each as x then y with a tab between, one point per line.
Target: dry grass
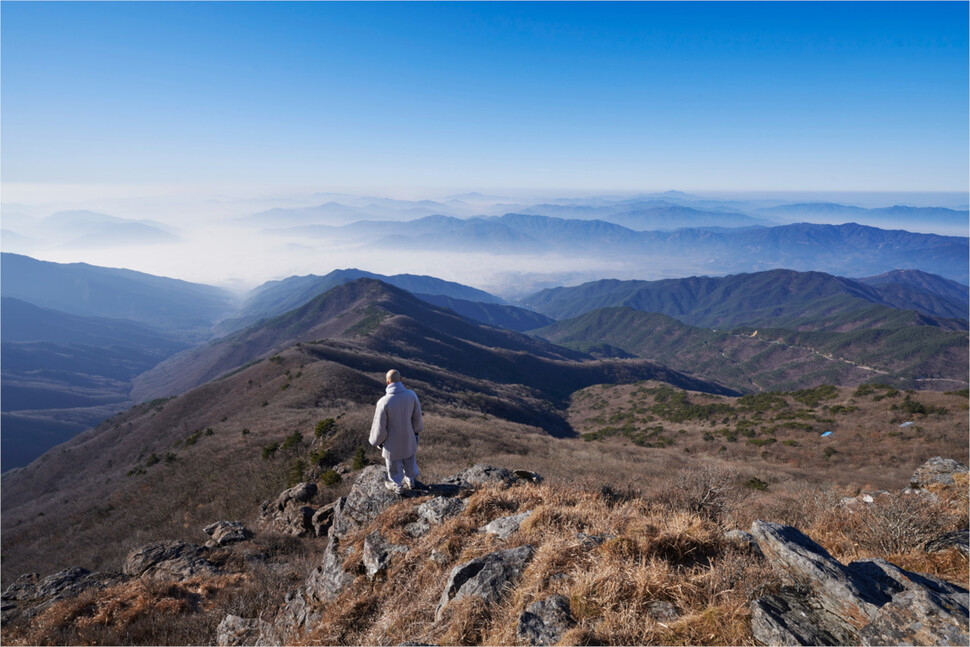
653	554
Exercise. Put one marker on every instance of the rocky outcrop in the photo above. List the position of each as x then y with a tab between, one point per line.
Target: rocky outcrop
937	470
322	520
486	577
481	475
434	512
544	622
289	513
367	499
30	594
328	579
224	533
504	527
378	552
176	560
868	602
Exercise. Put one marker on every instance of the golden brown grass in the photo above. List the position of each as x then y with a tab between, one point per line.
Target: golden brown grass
651	554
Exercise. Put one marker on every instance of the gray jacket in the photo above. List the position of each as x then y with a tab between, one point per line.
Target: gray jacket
397	421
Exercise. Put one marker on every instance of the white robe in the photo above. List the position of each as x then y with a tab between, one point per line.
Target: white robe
397	420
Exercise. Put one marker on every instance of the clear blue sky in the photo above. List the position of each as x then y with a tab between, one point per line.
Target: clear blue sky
690	96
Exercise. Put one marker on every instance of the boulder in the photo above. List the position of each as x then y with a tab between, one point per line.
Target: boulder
326	581
486	577
544	622
868	602
288	513
168	560
481	475
227	532
937	470
504	527
435	511
367	498
378	552
743	540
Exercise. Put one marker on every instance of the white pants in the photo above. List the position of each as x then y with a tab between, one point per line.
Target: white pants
397	470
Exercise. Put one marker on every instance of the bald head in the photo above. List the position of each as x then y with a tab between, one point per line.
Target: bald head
393	376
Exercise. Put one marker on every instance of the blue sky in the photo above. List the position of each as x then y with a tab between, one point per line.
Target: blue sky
389	97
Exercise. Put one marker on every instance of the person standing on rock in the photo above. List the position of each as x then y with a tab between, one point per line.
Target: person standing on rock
395	430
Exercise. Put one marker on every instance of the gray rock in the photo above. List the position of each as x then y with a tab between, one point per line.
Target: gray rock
168	560
326	581
486	577
937	470
367	498
480	475
959	539
504	527
811	567
227	532
418	528
544	622
790	619
378	552
288	513
322	520
743	540
234	631
28	595
23	588
662	610
868	602
435	511
438	509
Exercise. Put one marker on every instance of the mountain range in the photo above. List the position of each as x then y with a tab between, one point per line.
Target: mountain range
776	297
82	342
837	249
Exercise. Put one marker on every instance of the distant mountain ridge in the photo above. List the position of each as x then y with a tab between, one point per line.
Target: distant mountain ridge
276	297
170	305
836	249
367	314
776	297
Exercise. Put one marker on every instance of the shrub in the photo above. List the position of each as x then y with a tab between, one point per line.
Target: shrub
754	483
360	460
324	427
319	457
706	491
292	441
152	460
829	452
270	450
761	442
295	472
330	478
896	523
